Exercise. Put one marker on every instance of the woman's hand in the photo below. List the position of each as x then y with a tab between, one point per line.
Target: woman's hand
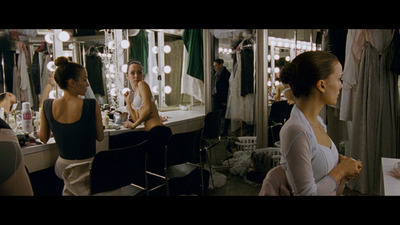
127	97
347	168
128	124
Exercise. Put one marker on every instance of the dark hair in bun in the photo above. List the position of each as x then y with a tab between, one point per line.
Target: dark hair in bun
306	69
66	70
61	61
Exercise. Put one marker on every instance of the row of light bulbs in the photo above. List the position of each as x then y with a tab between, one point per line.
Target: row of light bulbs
124	68
62	36
269	83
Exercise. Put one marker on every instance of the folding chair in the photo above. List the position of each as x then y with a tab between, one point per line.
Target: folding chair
120	167
182	161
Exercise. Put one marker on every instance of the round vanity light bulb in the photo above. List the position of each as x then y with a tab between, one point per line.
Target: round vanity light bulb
167	89
51	66
112	69
113	92
155	69
154	89
125	44
167	49
154	49
111	45
125	90
49	38
52	94
124	68
167	69
63	36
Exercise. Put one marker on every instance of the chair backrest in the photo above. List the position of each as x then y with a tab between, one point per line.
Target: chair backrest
212	125
118	168
275	183
125	139
273	134
183	147
280	111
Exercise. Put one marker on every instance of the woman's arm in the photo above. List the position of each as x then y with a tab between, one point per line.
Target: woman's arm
278	93
347	168
44	131
99	124
46	90
297	152
132	113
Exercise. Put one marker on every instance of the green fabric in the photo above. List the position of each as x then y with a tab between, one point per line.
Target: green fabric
139	48
193	40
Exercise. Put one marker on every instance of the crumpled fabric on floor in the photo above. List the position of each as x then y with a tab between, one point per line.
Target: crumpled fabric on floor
241	163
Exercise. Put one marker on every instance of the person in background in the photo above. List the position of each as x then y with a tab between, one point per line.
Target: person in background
46	90
220	90
7	101
284	90
14	179
142	109
75	122
309	156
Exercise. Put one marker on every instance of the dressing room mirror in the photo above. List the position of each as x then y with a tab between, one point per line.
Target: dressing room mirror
40	47
283	46
167	66
236	47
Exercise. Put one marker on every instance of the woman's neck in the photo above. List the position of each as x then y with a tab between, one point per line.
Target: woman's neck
310	107
69	96
135	86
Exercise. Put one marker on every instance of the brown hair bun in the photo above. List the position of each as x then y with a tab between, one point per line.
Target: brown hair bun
61	61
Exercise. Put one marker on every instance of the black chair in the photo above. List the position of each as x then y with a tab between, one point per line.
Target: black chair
183	175
119	168
279	114
211	136
124	139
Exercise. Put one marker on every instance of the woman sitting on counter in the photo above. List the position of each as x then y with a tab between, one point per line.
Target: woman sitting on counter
143	110
75	122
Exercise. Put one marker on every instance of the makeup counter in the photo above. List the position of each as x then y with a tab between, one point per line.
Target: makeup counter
42	156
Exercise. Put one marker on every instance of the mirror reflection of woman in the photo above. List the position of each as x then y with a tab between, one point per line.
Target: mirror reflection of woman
7	101
143	109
